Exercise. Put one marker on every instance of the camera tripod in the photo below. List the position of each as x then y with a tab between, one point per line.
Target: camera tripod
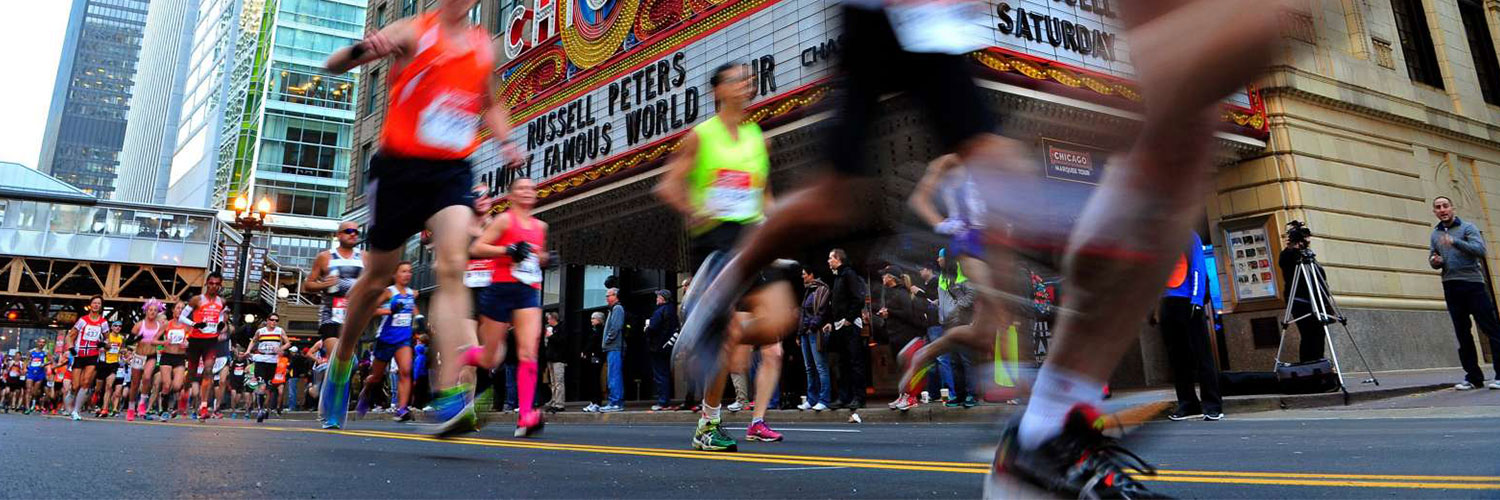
1309	278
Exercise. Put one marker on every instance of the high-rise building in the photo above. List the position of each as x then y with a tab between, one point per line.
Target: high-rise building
268	120
156	103
91	97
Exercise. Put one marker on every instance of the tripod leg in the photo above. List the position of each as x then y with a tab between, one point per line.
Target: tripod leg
1360	353
1333	355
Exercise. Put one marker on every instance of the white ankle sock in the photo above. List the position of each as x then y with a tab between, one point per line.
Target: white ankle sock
1056	391
712	412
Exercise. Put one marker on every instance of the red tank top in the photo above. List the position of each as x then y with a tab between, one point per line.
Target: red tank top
528	271
210	311
90	331
436	98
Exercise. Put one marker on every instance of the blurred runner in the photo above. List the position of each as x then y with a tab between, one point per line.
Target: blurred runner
440	96
718	180
516	243
394	340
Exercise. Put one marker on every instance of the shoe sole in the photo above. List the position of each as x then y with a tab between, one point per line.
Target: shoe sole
761	439
465	422
527	432
1185	417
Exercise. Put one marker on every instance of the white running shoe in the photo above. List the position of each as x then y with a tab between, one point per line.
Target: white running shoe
1463	386
76	417
804	406
656	407
1494	386
735	407
591	408
820	407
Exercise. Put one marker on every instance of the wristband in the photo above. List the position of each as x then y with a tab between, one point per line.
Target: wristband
357	50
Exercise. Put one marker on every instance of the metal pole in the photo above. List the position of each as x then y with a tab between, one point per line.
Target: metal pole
239	289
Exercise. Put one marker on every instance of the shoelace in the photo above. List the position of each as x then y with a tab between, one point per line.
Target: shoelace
1109	462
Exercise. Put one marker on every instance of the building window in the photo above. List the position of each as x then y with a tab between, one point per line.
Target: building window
1416	42
380	16
408	7
1486	66
476	16
372	91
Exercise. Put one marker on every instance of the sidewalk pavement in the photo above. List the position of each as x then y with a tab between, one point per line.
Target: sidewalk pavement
1130	406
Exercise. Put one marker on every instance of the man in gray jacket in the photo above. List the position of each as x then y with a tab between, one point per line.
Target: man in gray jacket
1458	249
614	350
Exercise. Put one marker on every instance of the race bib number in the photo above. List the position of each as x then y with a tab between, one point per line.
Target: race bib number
340	307
114	349
176	336
479	278
938	26
733	195
36	363
446	124
92	333
401	319
239	371
528	271
267	347
137	362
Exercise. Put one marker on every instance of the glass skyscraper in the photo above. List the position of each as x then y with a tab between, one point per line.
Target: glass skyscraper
86	124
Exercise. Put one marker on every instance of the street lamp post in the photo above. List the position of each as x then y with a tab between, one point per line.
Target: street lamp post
247	221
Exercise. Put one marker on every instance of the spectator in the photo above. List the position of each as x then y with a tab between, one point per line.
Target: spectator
1458	249
1184	330
661	333
812	340
301	366
614	350
956	308
900	320
925	297
592	356
421	386
845	326
555	349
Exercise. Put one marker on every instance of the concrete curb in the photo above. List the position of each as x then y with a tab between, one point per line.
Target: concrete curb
1135	412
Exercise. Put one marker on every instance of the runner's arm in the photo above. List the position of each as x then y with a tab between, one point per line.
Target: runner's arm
921	198
672	189
483	246
394	39
385	304
186	317
316	281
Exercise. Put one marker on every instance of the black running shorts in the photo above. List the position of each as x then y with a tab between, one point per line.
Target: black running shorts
874	64
405	192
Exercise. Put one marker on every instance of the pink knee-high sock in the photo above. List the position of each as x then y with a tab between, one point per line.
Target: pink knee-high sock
526	382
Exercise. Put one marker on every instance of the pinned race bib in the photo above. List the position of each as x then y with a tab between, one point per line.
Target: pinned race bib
447	123
528	271
137	362
92	333
267	347
477	278
340	308
239	371
401	319
114	349
176	336
938	26
733	195
36	363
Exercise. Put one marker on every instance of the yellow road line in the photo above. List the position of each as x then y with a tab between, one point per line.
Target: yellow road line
1170	476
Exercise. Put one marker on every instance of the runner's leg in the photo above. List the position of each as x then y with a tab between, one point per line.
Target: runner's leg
403	369
528	336
452	300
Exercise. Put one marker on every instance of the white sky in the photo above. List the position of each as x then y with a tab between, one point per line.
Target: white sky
31	40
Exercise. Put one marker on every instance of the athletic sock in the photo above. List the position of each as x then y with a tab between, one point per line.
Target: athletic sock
1055	393
83	395
754	421
526	383
712	412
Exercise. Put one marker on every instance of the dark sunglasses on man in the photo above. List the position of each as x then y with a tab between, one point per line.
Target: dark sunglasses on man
351	231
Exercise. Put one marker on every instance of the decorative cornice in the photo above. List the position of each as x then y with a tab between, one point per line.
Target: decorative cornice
1303	95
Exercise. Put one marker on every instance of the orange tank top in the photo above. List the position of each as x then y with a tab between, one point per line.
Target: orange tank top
437	97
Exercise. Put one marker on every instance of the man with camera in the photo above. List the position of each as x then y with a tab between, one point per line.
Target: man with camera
1309	326
1457	248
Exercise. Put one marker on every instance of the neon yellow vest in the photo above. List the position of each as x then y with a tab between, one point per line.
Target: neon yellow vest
729	181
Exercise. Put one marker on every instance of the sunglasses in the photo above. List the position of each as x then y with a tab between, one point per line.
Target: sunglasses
272	320
351	232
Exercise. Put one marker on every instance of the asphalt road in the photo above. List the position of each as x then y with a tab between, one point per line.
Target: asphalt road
1291	455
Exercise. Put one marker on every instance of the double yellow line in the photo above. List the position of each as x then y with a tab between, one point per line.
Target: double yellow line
1489	483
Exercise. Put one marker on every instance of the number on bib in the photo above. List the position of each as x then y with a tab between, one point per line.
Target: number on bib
176	336
733	195
401	319
340	308
528	271
477	278
92	333
446	124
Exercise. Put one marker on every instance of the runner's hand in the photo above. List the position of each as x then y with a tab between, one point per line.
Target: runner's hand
380	45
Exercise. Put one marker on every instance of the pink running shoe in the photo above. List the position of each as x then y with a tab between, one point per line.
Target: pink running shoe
130	414
759	431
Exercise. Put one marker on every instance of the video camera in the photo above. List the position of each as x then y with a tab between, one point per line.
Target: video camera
1297	232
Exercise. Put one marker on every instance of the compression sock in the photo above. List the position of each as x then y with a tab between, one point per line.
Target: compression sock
712	412
472	356
83	395
526	383
1056	391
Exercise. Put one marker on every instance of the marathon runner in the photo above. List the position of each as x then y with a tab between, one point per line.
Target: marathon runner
10	396
205	313
517	244
109	368
334	272
266	348
394	341
718	180
143	364
439	88
83	341
36	373
172	361
239	397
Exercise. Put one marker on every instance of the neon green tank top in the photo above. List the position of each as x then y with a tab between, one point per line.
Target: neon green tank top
729	181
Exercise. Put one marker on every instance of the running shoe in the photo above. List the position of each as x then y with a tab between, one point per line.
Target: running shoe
804	406
75	417
530	425
906	402
657	407
130	414
1184	412
820	407
735	407
402	415
710	436
1082	462
454	412
1213	416
970	402
363	406
217	416
611	409
333	403
261	416
706	311
759	431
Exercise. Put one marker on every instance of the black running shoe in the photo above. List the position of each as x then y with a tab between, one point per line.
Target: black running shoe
1184	412
1082	462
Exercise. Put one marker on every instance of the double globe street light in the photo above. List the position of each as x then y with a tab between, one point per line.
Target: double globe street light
247	221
